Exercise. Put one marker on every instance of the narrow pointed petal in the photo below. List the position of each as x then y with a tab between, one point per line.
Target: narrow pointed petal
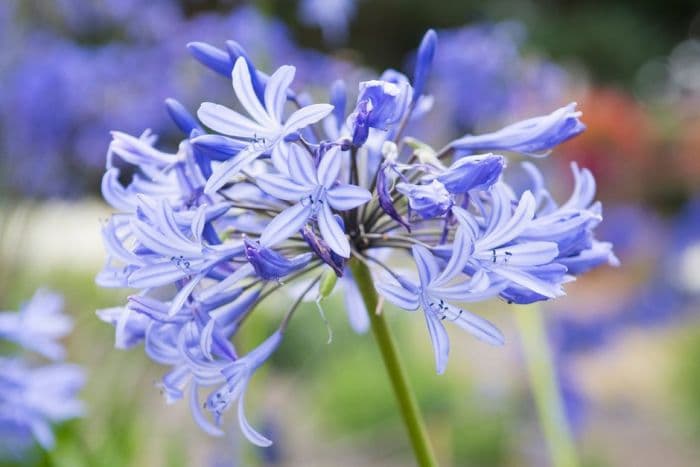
285	224
399	296
248	431
301	166
306	116
428	268
479	327
217	147
329	167
343	197
462	250
229	122
276	91
157	274
243	87
510	229
529	281
198	415
439	339
524	254
223	173
211	57
354	304
332	233
183	294
281	187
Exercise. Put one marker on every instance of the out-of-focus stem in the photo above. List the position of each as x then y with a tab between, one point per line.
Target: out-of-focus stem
545	387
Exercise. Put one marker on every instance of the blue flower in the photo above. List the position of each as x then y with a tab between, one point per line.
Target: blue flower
206	232
432	295
535	136
33	397
315	191
472	173
380	105
265	128
237	376
38	325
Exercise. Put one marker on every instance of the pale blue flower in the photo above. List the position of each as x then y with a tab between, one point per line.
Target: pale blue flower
315	192
535	136
433	294
292	191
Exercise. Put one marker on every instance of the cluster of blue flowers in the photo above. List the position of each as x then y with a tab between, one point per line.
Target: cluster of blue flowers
283	189
78	69
32	397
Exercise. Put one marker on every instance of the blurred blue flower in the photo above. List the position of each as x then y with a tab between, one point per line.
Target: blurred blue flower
332	16
33	397
480	77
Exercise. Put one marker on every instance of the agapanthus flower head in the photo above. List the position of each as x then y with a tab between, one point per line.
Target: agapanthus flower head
33	397
292	191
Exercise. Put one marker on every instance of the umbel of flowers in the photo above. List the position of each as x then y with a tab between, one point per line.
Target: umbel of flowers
282	189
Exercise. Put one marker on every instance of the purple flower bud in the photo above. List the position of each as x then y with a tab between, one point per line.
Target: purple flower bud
424	62
271	265
182	118
380	105
472	172
212	57
532	137
385	199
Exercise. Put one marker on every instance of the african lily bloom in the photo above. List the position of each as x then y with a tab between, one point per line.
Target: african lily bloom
295	191
31	396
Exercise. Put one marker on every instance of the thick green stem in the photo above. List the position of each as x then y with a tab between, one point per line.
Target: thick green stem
397	374
545	388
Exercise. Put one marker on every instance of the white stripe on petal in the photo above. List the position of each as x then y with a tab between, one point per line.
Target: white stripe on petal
286	224
343	197
281	187
229	122
243	87
329	167
305	117
276	91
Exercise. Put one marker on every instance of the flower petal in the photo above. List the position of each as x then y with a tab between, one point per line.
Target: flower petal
306	116
285	224
229	122
462	250
198	415
281	187
479	327
354	304
332	233
276	91
428	268
329	167
343	197
243	87
439	339
248	431
301	166
223	173
399	296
